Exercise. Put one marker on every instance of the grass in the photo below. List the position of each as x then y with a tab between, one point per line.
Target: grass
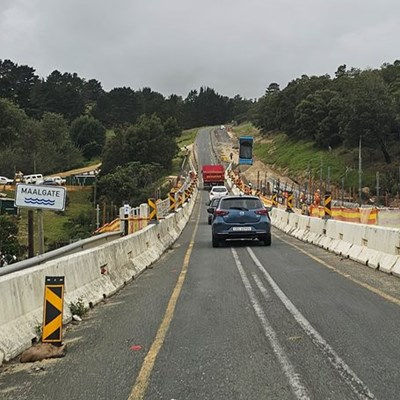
300	159
53	221
187	137
246	129
79	202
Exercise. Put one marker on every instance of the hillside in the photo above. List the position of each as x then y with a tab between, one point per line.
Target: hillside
303	163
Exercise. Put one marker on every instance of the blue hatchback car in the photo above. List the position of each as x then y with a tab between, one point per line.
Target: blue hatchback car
241	217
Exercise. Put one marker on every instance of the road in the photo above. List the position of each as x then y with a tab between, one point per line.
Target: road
243	321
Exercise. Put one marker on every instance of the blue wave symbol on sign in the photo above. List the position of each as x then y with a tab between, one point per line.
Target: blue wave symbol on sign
42	202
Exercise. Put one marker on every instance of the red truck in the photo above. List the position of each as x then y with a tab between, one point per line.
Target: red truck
213	175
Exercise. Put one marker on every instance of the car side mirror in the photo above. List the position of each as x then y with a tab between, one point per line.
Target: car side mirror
211	210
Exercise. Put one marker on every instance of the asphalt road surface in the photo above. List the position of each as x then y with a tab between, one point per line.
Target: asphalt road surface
243	321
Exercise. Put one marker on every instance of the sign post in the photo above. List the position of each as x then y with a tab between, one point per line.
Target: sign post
39	197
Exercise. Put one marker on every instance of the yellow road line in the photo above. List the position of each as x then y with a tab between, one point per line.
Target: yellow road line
384	295
142	381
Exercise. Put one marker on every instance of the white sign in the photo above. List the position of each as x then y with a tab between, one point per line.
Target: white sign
40	196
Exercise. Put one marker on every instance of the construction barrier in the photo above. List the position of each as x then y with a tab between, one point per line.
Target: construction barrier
328	205
275	200
289	203
153	209
172	200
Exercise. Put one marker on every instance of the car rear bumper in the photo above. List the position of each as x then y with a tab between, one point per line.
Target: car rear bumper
232	232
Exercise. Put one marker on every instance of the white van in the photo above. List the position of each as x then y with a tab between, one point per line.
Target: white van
56	179
35	179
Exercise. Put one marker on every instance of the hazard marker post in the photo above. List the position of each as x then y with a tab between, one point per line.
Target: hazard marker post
328	205
53	310
153	218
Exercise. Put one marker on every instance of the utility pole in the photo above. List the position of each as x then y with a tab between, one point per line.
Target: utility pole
359	171
342	191
320	175
328	180
377	189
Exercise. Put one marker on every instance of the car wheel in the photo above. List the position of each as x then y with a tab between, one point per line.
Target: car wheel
215	241
267	240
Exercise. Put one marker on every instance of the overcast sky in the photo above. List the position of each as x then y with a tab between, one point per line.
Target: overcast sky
173	46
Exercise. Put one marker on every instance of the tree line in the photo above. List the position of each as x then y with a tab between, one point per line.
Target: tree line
57	122
60	122
337	111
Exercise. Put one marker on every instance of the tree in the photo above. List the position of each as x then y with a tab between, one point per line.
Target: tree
118	108
134	182
171	128
59	93
16	83
9	245
11	122
89	135
91	91
60	151
148	141
318	118
370	114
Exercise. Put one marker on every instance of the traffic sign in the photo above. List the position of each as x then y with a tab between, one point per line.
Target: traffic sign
40	196
53	309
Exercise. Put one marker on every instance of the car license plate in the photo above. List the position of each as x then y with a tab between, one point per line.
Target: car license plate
241	228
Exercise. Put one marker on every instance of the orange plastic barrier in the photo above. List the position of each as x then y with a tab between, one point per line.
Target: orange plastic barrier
367	216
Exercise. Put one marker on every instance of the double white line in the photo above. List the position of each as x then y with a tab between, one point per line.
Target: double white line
294	378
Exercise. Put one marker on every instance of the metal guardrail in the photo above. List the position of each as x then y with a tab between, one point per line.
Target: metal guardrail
72	248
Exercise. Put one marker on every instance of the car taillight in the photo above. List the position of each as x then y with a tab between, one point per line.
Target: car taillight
262	212
221	213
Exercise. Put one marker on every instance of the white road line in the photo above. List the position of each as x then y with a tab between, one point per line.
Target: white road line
261	287
349	376
297	386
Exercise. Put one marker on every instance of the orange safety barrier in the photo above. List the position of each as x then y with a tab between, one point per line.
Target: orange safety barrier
112	226
367	216
137	223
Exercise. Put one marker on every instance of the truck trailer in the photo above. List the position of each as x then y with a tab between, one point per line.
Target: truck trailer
213	175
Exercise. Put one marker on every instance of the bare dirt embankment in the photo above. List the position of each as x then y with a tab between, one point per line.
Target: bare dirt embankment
77	171
253	172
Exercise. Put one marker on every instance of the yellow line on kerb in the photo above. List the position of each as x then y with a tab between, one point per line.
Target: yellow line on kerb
142	381
384	295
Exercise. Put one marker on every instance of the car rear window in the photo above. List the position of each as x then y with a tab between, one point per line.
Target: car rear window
250	204
219	189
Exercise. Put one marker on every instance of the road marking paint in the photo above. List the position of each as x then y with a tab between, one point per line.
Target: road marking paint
294	378
261	287
384	295
349	376
143	379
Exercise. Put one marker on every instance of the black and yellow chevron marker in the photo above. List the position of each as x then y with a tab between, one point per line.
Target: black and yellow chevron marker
328	205
289	203
275	200
153	209
172	201
53	309
181	199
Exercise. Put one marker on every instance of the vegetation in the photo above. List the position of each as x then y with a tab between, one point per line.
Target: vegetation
9	245
302	161
78	308
63	121
332	116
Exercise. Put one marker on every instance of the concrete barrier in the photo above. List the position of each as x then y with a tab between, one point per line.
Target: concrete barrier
375	246
91	275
